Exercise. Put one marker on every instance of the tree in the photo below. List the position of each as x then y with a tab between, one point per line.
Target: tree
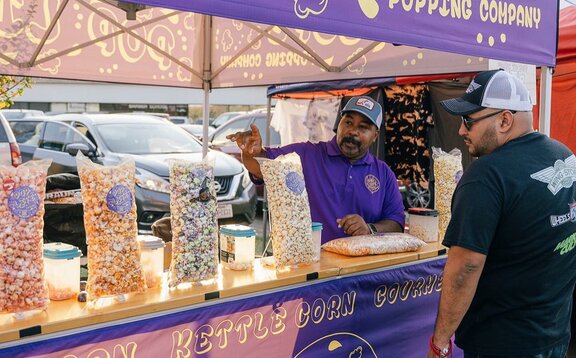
10	87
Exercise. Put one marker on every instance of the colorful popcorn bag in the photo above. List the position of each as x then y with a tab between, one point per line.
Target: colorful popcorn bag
289	210
22	283
193	206
114	266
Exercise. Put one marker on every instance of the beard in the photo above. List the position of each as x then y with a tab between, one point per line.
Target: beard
487	143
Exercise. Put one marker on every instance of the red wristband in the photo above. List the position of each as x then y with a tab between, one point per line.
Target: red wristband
442	353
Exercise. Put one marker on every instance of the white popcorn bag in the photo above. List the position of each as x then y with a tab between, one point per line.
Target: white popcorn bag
193	212
289	210
108	196
22	284
447	173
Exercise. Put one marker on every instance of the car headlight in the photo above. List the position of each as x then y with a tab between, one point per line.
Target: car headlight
151	181
246	179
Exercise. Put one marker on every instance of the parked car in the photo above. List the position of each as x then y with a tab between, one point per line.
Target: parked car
181	120
9	149
224	117
241	123
21	113
197	130
108	138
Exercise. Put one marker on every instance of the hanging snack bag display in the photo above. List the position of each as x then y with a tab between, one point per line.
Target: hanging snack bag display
193	206
22	191
114	266
289	210
447	173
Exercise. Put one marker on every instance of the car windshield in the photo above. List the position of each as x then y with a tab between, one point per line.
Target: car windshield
224	117
138	138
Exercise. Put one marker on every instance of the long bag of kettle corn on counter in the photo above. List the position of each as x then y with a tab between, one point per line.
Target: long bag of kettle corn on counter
22	191
114	266
289	210
193	219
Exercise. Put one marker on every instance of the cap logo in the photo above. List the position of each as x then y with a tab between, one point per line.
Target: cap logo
473	87
365	102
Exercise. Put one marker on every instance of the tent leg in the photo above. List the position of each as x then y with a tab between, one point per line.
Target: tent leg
206	82
265	218
545	99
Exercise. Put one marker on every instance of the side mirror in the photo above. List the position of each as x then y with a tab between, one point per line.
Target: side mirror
87	150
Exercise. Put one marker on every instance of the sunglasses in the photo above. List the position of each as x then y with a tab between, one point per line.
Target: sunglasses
467	121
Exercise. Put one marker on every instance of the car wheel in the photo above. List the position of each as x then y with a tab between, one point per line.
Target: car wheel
417	197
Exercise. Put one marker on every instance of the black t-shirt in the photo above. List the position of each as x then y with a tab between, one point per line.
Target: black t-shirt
517	205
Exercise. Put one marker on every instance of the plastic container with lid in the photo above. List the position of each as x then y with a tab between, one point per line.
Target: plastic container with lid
317	239
62	270
424	224
152	259
237	246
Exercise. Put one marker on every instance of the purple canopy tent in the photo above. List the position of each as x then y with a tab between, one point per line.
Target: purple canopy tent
226	43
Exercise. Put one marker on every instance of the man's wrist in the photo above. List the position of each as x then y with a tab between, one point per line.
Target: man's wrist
442	352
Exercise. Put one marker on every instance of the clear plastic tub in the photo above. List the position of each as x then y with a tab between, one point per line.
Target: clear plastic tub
317	239
237	246
152	258
62	270
423	224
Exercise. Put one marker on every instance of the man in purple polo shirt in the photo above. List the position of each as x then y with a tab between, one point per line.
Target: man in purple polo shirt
350	191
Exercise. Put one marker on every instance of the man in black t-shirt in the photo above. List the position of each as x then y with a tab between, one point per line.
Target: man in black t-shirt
511	268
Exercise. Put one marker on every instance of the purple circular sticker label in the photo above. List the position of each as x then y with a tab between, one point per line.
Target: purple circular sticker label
295	183
119	199
24	202
458	176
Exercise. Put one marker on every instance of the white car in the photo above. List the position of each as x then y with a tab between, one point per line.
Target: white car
9	149
21	113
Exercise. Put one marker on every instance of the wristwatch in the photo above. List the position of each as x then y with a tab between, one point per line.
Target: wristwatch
372	228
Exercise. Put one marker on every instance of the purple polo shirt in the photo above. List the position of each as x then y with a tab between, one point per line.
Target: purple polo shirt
337	187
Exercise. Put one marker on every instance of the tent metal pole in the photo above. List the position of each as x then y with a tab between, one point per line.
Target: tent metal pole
545	100
265	218
206	83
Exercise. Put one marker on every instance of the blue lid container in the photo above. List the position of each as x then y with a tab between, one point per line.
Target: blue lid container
61	251
316	226
237	230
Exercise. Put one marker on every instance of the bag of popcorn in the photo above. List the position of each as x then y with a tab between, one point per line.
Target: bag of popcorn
193	206
22	190
289	210
374	244
447	173
114	266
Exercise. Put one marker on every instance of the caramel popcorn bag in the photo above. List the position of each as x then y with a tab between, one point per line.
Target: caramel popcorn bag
22	191
114	266
193	206
447	173
289	210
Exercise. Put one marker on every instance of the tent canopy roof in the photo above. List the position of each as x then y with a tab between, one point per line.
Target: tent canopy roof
255	43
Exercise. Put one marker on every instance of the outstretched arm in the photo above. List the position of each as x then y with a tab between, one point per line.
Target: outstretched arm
250	144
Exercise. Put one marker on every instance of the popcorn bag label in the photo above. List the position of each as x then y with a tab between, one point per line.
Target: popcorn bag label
119	199
295	183
24	202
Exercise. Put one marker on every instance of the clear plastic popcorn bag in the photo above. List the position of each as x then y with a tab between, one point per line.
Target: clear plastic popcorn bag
289	210
447	173
22	284
375	244
108	197
193	209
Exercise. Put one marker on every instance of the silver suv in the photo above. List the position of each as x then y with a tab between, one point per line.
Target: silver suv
9	150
